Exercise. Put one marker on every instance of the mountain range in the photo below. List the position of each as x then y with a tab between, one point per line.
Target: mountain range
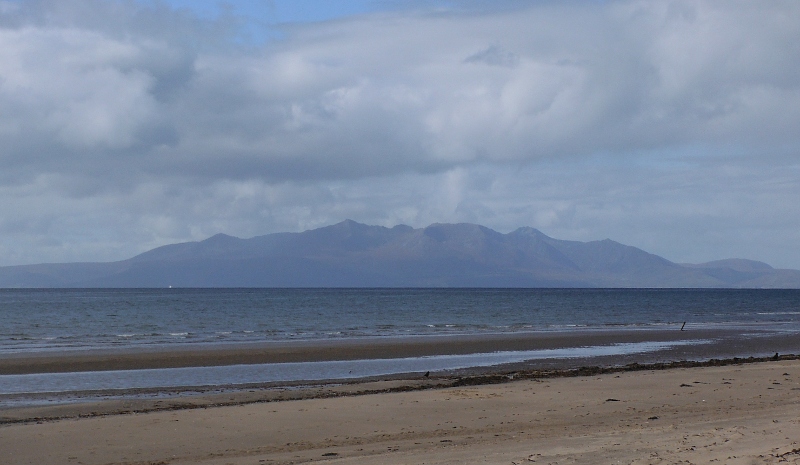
350	254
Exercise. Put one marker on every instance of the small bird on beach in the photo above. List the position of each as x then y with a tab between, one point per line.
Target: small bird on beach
427	374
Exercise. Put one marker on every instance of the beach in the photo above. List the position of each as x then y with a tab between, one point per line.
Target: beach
737	413
595	377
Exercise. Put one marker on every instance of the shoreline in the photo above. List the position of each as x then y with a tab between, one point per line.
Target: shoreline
145	400
714	348
598	351
210	355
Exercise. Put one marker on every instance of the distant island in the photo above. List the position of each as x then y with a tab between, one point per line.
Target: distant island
351	254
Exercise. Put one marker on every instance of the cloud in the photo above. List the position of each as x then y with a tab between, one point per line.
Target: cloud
153	125
494	56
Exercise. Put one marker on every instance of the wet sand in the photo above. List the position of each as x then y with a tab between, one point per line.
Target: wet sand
727	343
738	413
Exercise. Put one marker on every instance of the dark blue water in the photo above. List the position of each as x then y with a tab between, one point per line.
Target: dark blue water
56	319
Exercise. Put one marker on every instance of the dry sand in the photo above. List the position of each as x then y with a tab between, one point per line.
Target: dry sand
736	414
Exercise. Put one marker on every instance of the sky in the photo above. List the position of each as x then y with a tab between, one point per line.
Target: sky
672	126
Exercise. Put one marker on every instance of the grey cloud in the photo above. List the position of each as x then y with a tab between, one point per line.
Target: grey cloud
495	56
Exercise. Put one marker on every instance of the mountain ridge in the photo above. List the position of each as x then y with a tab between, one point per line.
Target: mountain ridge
352	254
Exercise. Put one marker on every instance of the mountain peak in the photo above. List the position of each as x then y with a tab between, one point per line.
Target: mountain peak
219	237
348	223
528	231
346	226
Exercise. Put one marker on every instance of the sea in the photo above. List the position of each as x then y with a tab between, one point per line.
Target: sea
42	321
